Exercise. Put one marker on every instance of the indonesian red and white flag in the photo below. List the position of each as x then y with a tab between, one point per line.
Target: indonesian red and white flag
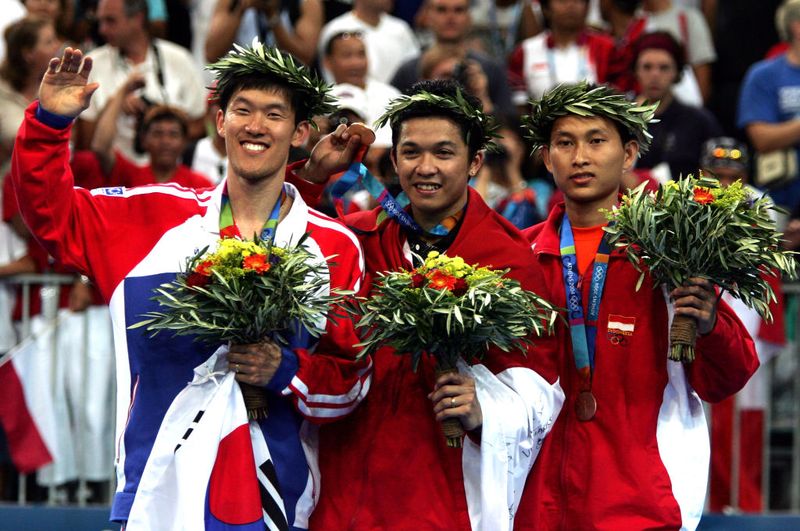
26	407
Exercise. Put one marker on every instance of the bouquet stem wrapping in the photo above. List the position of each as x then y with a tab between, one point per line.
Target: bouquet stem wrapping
682	336
255	401
452	428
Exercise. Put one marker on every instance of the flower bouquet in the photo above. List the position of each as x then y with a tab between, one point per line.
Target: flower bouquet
243	292
696	228
449	310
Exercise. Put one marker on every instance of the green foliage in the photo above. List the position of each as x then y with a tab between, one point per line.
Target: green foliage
450	310
221	297
459	105
260	59
582	99
696	228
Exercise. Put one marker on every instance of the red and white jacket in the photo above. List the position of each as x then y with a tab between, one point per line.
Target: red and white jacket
537	65
132	240
387	466
642	461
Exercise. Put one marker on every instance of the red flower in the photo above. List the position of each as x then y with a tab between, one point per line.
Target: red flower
204	268
417	280
441	281
257	263
229	232
196	279
703	196
460	287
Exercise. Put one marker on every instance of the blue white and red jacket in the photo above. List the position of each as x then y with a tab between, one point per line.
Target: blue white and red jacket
131	241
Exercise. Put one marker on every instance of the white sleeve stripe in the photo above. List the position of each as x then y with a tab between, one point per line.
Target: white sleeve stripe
302	389
166	188
330	413
324	221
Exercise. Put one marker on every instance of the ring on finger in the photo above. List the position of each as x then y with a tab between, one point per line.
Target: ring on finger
452	401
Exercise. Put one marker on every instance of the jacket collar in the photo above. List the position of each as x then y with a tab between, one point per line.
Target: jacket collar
548	240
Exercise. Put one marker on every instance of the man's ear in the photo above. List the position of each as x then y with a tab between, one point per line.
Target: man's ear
546	158
301	132
631	148
221	123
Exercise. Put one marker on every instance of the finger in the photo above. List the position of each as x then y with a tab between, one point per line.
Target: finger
352	147
449	391
697	313
339	133
87	67
701	292
453	378
52	66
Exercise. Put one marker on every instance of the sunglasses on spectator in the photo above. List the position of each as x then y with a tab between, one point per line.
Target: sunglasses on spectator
723	153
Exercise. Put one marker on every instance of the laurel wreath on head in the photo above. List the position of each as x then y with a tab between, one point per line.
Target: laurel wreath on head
260	59
457	105
583	99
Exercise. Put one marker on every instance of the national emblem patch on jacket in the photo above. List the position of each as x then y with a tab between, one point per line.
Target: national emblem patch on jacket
620	328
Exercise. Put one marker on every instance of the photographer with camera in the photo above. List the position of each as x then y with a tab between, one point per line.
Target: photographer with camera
171	75
163	133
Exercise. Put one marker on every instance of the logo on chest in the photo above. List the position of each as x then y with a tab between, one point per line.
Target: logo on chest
620	328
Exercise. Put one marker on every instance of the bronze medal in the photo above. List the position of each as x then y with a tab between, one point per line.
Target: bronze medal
585	406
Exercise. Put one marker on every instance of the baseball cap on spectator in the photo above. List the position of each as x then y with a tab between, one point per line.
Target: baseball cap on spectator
725	152
352	98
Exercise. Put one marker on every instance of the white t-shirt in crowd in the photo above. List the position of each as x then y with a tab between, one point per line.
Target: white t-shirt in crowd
12	11
179	84
389	44
378	97
208	161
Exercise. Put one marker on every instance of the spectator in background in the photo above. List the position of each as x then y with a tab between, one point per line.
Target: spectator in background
346	58
690	28
626	28
743	33
501	184
164	136
389	40
450	22
59	12
208	156
501	24
727	159
681	130
567	52
170	73
769	105
30	42
292	26
12	11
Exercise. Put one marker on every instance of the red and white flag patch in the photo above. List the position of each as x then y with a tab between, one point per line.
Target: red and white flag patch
620	327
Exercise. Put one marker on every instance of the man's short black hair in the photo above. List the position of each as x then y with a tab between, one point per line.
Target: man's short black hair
471	131
628	7
267	83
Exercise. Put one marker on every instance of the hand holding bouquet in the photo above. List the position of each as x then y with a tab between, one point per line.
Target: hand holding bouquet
696	228
449	310
244	292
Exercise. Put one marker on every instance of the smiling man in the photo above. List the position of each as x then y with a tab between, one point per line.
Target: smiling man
132	240
630	448
388	466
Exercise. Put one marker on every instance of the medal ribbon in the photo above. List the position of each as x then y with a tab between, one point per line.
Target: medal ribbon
583	332
393	206
227	225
